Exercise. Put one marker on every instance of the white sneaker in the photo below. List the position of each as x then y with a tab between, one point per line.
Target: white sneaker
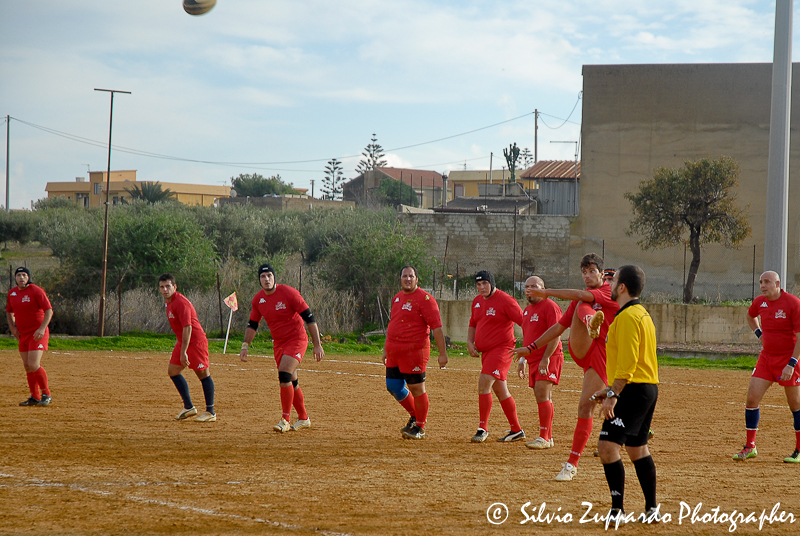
615	518
653	515
301	423
185	414
567	473
540	443
206	416
282	426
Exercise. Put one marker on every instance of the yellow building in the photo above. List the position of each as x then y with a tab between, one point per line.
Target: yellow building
92	193
474	182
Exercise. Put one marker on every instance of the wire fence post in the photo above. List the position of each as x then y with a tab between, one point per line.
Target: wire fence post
219	302
455	283
119	302
753	288
514	257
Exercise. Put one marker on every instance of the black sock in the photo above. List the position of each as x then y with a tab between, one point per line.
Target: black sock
183	390
615	476
208	392
646	471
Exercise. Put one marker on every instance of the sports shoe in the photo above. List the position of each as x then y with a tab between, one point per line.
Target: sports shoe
512	436
411	421
301	423
595	323
615	518
540	443
30	402
46	399
282	426
651	516
206	416
480	436
415	433
650	435
596	453
567	473
746	452
794	457
186	413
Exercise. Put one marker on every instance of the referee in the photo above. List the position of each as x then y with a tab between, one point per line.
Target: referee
629	402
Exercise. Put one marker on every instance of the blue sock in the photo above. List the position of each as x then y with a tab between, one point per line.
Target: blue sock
183	390
208	392
752	416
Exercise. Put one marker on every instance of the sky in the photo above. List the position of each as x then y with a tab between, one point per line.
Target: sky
283	86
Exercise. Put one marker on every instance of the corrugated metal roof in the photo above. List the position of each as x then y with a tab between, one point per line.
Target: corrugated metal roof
552	169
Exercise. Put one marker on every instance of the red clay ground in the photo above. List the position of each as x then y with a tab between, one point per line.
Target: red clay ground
107	458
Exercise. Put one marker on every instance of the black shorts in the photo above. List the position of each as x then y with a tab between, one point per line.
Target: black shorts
393	373
632	415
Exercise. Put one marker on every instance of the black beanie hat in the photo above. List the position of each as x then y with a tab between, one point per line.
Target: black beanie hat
23	270
265	268
485	275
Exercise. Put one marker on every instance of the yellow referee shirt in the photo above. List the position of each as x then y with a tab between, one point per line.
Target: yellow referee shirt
631	346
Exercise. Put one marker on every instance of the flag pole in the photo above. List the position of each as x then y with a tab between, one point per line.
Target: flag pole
225	348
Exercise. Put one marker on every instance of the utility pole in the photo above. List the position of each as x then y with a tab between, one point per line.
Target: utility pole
312	187
102	312
8	145
535	135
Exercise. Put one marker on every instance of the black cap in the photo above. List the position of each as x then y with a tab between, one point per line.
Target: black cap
485	275
265	268
23	270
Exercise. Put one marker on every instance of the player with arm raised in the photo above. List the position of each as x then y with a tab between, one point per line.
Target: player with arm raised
544	364
415	315
285	311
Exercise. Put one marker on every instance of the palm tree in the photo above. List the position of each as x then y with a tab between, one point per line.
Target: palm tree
150	192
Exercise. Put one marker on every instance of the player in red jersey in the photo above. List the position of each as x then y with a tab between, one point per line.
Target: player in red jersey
779	332
545	363
415	315
588	317
191	350
28	312
285	311
491	332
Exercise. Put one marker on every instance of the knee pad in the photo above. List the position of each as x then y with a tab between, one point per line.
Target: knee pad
295	383
284	377
397	388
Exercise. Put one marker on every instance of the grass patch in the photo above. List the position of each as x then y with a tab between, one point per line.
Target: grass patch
733	363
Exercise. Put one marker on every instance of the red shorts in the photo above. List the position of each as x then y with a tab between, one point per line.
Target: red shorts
410	358
296	349
28	344
595	359
198	360
553	370
496	362
770	367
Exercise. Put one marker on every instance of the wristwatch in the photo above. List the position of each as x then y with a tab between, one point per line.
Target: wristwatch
611	394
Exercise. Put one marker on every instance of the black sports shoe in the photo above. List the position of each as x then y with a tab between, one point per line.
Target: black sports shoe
46	399
512	436
411	422
480	436
30	402
415	433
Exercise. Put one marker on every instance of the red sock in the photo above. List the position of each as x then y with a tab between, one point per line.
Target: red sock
287	394
582	432
41	376
751	438
546	412
485	409
33	385
421	407
510	409
584	310
299	404
408	404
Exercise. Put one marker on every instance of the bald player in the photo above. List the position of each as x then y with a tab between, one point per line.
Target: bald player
544	364
774	317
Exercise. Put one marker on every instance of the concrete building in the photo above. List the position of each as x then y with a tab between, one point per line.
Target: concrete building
481	182
427	185
92	194
640	117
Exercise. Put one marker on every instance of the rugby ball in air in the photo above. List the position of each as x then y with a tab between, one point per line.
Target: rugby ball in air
198	7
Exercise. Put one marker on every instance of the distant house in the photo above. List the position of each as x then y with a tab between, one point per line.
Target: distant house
482	182
427	185
557	184
92	194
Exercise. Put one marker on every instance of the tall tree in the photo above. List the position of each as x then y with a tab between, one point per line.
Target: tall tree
150	192
526	158
395	193
373	156
332	182
257	186
695	204
512	157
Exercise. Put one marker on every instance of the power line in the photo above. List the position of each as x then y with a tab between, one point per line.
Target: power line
580	95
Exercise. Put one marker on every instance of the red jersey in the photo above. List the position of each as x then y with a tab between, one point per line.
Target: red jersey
181	313
493	319
414	315
281	310
536	319
780	322
602	302
28	306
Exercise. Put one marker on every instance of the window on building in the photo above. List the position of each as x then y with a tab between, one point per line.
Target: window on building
97	188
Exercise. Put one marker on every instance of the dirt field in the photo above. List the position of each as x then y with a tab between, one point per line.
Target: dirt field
107	457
